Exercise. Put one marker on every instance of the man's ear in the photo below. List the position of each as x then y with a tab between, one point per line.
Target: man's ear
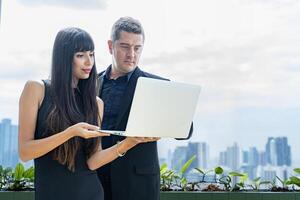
110	46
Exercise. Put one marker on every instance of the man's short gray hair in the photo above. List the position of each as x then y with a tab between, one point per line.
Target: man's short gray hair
127	24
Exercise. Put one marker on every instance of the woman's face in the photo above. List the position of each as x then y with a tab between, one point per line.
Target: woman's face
83	63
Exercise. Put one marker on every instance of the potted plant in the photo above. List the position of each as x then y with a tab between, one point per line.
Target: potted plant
17	183
176	186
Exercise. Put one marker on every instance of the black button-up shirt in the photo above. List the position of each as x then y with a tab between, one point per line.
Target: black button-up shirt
112	95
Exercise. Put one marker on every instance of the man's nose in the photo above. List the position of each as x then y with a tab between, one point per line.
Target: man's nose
131	52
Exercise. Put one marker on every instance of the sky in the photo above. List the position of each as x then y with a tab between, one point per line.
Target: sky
243	53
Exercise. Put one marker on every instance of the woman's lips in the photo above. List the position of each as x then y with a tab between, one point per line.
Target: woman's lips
87	71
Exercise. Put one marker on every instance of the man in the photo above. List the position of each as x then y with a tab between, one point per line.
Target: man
134	176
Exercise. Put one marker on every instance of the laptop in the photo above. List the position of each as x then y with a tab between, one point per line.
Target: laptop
161	109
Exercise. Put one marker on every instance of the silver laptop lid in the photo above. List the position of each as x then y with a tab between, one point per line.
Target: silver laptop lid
162	108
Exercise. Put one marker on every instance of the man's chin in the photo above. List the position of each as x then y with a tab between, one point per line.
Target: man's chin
128	69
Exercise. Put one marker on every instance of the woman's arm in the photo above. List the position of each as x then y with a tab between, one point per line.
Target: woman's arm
29	148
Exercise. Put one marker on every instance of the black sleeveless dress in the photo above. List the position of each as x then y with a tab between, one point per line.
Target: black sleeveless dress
54	181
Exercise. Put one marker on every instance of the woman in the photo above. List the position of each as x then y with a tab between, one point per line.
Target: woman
58	123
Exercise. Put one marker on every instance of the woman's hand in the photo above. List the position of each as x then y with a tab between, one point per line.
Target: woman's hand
85	130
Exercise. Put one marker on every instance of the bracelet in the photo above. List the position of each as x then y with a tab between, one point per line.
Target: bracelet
118	153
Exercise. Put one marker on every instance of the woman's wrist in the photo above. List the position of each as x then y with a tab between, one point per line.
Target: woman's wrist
125	145
70	133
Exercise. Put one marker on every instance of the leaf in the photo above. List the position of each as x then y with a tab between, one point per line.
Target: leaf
295	180
288	182
7	170
297	170
19	170
236	174
29	173
256	179
163	166
265	182
199	170
187	164
244	178
219	170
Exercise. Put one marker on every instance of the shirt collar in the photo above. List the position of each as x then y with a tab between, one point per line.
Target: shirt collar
108	70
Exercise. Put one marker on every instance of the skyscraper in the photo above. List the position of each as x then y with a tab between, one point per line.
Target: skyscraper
253	157
203	155
278	152
233	155
200	150
179	157
245	157
8	143
283	151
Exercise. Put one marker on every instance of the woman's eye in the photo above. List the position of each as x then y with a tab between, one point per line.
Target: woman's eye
79	55
91	54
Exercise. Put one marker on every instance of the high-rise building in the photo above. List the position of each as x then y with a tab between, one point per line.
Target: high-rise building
203	155
253	157
223	158
278	152
262	160
233	156
273	152
8	143
179	157
283	151
200	150
245	157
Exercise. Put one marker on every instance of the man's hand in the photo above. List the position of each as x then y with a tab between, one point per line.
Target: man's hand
133	141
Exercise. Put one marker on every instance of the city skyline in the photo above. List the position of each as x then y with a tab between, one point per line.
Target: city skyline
277	151
235	158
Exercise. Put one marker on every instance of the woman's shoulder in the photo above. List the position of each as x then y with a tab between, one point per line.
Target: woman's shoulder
36	89
35	86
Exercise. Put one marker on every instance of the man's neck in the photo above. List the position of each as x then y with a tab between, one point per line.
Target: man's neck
114	74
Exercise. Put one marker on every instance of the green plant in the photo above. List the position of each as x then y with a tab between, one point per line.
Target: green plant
17	179
203	173
170	180
183	183
242	177
166	178
173	181
294	179
256	183
5	173
226	180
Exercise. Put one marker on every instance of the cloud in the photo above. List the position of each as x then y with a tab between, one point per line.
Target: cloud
24	65
77	4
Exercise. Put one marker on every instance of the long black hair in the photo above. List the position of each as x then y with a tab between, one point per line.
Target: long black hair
65	110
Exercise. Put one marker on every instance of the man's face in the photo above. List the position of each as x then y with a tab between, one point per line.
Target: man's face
126	52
